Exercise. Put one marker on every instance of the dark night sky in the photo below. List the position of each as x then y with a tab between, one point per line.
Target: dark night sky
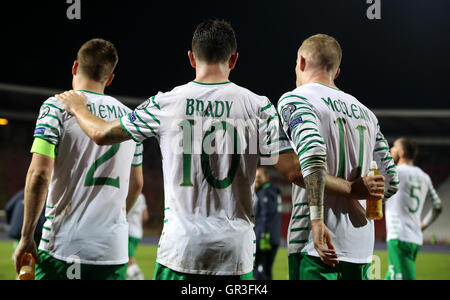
400	61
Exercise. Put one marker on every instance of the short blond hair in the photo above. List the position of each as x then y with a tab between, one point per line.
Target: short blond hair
322	51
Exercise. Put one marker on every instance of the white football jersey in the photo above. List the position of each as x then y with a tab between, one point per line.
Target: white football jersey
85	210
404	210
135	229
328	126
212	137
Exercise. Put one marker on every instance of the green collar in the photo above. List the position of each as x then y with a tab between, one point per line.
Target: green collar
90	92
218	83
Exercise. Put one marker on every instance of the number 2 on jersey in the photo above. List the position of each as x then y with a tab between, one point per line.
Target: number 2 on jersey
340	122
94	181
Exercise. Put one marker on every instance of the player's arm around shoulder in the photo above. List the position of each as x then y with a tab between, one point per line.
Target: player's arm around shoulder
135	187
98	130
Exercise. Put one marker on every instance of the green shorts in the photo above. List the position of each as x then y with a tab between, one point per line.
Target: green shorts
304	267
164	273
402	260
53	269
132	245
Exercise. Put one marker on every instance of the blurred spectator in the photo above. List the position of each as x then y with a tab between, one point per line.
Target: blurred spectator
136	217
14	217
267	209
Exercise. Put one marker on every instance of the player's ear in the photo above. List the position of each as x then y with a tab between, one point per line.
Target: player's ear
338	72
233	60
75	68
110	79
302	63
401	153
192	59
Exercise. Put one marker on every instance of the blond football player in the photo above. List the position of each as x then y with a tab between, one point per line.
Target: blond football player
328	127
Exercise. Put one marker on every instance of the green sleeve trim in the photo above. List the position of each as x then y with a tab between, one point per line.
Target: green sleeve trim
381	149
126	130
266	107
155	104
146	125
277	153
43	147
54	106
153	116
137	165
294	96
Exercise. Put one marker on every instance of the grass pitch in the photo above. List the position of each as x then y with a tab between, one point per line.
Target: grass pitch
430	266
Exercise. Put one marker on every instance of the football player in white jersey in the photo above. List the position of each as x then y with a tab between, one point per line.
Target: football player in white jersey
329	127
136	217
403	212
212	135
88	186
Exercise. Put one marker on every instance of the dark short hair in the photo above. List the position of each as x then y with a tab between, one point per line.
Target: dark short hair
214	41
97	59
410	148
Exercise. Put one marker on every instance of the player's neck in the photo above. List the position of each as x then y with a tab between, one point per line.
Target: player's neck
88	85
404	161
212	74
320	77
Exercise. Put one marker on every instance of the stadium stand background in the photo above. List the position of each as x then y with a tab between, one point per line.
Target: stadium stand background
431	128
398	64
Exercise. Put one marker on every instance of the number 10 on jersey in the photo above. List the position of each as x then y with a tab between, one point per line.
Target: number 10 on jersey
187	127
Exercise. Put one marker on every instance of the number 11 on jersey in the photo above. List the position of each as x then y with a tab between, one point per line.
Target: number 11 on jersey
341	122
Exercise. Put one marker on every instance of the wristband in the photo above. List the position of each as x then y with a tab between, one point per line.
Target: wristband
316	213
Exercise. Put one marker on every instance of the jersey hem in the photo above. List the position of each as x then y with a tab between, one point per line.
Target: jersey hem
343	259
86	262
404	241
202	272
349	260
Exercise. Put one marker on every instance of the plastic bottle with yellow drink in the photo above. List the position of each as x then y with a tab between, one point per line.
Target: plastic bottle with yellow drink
374	207
27	267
